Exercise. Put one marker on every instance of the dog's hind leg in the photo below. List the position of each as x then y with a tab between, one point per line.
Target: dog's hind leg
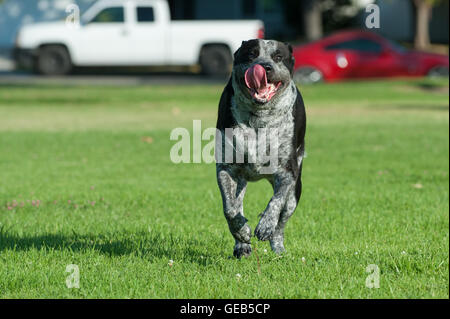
233	190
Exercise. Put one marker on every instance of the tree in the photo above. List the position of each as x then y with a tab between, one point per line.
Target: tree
423	17
312	17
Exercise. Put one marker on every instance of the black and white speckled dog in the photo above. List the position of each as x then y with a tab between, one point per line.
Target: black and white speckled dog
261	94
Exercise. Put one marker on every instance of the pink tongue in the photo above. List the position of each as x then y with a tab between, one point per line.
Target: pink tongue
256	78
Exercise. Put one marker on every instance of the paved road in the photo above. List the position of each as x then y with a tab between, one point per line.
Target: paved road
174	78
9	76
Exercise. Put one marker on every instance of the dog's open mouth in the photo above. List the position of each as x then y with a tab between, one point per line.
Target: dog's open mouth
260	89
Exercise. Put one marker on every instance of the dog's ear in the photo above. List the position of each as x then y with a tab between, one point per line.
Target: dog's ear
289	47
289	62
236	54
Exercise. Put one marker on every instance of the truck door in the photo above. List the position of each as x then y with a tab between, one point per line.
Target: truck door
104	40
147	35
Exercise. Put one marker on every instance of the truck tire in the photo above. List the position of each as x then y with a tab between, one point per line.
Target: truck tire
215	60
53	60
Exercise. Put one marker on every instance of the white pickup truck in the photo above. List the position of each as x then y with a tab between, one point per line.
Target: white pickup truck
132	33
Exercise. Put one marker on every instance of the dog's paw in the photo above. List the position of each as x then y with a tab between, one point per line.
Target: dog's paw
277	245
265	228
244	234
240	229
242	250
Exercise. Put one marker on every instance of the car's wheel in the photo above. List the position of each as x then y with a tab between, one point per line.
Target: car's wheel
438	71
308	75
53	60
215	60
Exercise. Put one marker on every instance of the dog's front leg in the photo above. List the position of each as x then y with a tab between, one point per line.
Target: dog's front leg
282	186
232	190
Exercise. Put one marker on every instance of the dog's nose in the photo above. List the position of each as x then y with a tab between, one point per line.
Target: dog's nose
267	67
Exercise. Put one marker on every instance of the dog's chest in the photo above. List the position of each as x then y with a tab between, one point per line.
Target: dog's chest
266	140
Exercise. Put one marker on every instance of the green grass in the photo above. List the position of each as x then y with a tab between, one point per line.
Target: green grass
376	191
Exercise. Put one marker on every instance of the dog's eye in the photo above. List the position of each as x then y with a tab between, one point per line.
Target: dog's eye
252	55
277	58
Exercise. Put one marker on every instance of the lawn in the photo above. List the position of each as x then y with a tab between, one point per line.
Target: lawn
86	179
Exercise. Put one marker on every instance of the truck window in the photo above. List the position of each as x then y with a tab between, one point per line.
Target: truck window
109	15
145	14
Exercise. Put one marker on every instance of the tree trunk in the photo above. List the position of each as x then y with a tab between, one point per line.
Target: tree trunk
423	16
312	17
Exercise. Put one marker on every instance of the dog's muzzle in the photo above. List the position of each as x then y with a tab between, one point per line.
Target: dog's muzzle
260	89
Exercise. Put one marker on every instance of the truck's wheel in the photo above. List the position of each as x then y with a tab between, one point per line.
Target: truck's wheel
215	60
53	60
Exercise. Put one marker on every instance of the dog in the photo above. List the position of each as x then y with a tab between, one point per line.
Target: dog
260	94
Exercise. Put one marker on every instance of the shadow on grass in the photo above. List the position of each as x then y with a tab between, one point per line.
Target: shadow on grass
142	244
438	87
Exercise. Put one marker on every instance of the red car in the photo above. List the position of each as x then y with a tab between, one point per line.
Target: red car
362	54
